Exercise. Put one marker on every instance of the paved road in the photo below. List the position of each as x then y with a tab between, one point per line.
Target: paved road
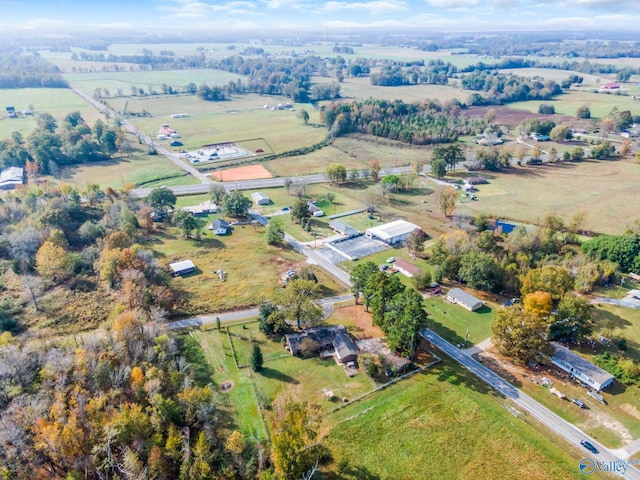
569	432
318	259
326	304
616	301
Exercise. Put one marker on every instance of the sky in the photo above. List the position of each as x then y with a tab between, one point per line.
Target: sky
322	15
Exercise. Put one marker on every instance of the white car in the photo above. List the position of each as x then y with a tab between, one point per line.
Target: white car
391	259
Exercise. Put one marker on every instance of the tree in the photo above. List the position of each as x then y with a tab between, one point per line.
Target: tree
304	116
403	319
390	183
550	278
520	335
162	199
446	198
236	204
275	231
577	154
295	446
546	109
295	301
256	359
287	184
300	211
185	221
359	276
583	111
479	270
421	279
374	168
559	133
271	320
438	166
451	155
51	261
337	173
415	242
217	192
574	319
379	291
538	303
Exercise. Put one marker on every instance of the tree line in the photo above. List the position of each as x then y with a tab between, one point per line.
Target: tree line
21	69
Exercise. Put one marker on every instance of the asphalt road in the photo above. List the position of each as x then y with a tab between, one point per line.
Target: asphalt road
318	259
226	317
569	432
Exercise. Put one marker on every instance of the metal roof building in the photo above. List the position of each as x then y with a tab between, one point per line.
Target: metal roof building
468	301
580	368
393	232
260	198
182	268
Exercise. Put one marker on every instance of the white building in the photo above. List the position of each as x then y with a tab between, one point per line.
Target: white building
11	177
182	268
393	232
468	301
580	368
260	198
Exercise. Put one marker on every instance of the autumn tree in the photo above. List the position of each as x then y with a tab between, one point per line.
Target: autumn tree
446	198
374	168
550	278
538	303
336	173
520	335
415	242
52	261
295	301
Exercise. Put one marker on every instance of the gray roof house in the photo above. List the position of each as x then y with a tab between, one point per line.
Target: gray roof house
220	227
260	198
326	341
343	228
346	349
468	301
580	368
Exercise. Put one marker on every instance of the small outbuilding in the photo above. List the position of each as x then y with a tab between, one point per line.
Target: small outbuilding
260	198
406	268
466	300
182	268
393	232
11	177
220	227
580	368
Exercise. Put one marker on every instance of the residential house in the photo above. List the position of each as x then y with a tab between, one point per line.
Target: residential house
476	180
260	198
326	341
343	228
610	86
182	268
11	177
580	368
466	300
220	227
202	209
406	268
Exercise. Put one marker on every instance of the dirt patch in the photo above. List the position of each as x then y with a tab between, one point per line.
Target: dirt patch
249	172
226	386
363	326
631	410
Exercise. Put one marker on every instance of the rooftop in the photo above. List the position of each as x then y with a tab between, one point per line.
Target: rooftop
463	297
344	228
406	266
585	366
181	266
392	229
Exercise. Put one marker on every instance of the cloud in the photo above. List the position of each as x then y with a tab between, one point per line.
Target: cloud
376	7
453	4
195	9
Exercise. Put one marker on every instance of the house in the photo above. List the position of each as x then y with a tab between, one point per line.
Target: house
476	180
314	209
166	130
11	177
179	115
391	233
260	198
220	227
538	137
580	368
634	277
466	300
343	228
610	86
202	209
182	268
327	341
11	112
406	268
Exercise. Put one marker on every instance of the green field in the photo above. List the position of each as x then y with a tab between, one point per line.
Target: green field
557	75
601	188
443	424
361	89
56	101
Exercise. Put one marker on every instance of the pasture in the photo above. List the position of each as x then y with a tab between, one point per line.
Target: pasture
557	75
442	423
602	188
361	89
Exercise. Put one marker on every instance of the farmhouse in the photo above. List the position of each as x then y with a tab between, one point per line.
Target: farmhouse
220	227
610	86
580	368
166	130
11	177
406	268
260	198
468	301
182	268
202	209
391	233
343	228
324	341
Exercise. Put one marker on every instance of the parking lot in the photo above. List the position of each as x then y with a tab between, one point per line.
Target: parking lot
359	247
212	153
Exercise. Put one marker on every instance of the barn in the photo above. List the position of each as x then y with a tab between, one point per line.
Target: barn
182	268
393	232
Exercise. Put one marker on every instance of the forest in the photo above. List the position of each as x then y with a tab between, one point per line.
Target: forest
19	69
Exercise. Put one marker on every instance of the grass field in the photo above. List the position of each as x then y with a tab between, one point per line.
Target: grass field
56	101
253	267
443	424
556	75
361	89
601	188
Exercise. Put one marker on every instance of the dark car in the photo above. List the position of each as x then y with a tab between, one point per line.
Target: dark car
589	447
578	402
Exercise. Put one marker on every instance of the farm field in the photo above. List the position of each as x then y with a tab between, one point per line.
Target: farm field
361	89
443	423
56	101
253	267
599	187
557	76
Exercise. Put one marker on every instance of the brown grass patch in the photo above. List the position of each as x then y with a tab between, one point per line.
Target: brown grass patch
360	320
249	172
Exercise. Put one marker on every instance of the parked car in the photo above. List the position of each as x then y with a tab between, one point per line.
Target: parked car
391	259
286	209
579	402
589	447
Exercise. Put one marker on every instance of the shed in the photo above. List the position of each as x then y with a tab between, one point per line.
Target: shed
406	268
11	177
393	232
182	268
468	301
260	198
580	368
220	227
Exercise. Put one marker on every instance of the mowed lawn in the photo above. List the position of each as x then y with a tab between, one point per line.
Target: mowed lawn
56	101
443	423
602	188
253	267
